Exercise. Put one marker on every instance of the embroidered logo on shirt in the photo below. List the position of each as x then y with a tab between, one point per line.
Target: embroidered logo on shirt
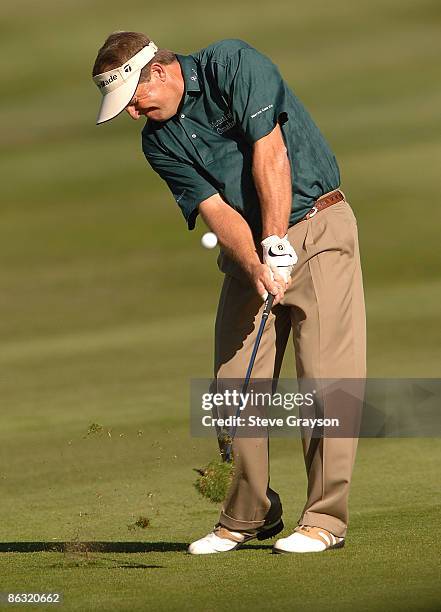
262	110
226	122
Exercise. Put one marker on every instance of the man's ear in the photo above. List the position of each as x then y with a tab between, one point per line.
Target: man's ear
157	72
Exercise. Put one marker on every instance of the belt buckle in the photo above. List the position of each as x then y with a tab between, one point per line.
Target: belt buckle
312	212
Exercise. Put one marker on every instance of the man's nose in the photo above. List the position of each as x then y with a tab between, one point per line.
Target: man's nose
132	112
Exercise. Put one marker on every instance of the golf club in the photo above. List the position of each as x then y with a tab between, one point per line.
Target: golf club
228	454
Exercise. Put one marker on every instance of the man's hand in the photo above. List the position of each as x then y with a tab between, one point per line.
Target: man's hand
265	281
279	256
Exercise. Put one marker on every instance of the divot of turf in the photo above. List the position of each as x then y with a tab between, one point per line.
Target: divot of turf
214	480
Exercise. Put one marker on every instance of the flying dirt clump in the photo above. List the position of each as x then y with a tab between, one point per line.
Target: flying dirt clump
214	480
141	523
94	428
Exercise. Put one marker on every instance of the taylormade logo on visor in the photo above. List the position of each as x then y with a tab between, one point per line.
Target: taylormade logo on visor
112	78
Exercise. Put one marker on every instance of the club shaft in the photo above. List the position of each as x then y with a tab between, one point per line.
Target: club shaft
265	315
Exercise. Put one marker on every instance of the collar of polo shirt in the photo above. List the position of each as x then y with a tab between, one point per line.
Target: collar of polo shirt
190	73
118	85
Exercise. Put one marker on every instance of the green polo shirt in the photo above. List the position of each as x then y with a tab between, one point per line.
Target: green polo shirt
234	96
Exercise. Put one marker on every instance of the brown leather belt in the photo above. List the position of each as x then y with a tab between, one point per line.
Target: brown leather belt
325	202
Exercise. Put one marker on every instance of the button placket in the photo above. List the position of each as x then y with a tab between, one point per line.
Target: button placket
188	126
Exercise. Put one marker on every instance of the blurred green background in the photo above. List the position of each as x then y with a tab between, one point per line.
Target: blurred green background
102	324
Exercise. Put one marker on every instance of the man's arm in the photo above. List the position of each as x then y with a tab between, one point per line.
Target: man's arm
257	97
272	178
235	237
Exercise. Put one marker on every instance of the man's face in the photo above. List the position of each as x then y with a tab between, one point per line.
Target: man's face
159	98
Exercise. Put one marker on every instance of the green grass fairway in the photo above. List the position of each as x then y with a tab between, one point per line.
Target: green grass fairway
100	323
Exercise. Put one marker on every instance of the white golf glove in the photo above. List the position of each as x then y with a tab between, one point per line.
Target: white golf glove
279	255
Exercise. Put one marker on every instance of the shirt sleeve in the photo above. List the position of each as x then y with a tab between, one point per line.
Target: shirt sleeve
256	92
188	187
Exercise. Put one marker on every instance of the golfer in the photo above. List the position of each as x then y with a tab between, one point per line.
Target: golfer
236	146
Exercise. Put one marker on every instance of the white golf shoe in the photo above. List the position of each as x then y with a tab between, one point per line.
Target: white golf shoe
307	539
224	540
221	540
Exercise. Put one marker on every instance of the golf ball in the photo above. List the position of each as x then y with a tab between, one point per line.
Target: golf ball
209	240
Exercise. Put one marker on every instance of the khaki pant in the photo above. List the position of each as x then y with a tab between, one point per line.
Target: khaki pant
324	307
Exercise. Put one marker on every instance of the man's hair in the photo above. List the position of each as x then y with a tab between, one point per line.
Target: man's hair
121	46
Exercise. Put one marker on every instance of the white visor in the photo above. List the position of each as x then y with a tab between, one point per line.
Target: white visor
119	84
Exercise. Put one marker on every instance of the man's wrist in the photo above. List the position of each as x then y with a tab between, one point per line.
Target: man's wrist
279	230
250	265
248	259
